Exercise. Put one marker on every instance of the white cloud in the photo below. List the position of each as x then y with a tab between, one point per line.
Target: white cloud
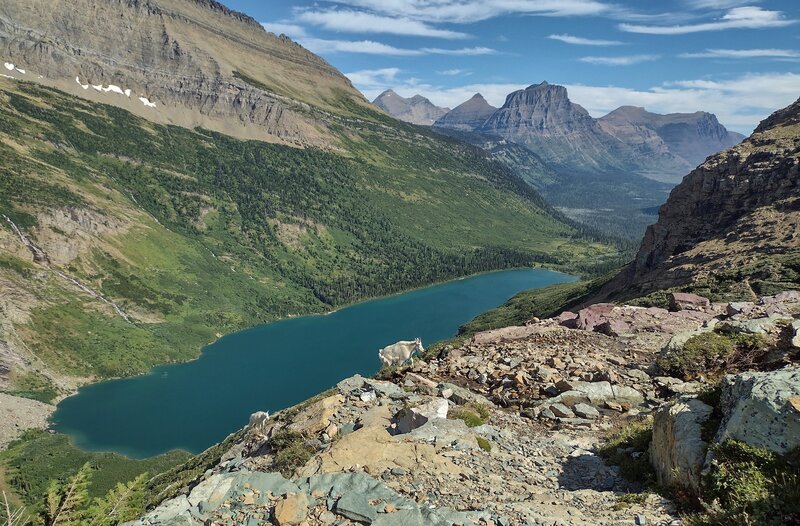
468	11
466	51
373	78
455	72
743	53
625	60
370	47
286	28
739	103
350	21
367	47
748	17
717	4
580	41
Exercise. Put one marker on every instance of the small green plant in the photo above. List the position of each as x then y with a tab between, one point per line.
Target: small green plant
627	500
473	415
484	444
701	354
627	448
749	485
291	451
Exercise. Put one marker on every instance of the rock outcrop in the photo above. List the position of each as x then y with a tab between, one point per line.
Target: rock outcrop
762	409
416	110
678	451
185	62
738	214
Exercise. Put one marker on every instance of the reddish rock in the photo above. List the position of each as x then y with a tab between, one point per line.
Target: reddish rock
594	315
568	319
613	328
686	301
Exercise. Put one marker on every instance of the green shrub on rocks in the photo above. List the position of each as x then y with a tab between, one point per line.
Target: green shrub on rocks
749	485
291	451
627	448
700	354
484	444
473	415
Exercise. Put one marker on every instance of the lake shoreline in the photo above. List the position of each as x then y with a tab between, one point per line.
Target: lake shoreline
510	282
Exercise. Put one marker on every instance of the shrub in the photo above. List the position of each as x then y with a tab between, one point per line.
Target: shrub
749	485
473	415
291	451
701	354
627	448
484	444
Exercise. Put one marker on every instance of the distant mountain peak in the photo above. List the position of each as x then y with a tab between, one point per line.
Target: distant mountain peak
416	109
467	116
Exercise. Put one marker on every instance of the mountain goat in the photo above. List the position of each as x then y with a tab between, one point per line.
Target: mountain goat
400	352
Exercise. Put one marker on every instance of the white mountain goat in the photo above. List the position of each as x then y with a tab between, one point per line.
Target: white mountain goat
400	352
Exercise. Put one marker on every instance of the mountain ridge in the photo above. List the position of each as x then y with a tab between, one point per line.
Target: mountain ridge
414	110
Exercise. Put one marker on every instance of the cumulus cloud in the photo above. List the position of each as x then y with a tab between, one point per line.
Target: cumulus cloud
747	17
468	11
349	21
285	28
370	47
625	60
739	102
581	41
744	53
454	72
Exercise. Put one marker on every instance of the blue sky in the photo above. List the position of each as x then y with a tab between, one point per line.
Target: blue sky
737	58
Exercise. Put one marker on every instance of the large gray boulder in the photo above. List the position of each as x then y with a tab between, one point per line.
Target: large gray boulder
677	451
420	415
762	409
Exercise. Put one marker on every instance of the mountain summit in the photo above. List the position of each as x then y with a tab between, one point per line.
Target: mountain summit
416	110
467	116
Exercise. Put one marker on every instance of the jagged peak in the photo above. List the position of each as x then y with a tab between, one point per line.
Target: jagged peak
387	93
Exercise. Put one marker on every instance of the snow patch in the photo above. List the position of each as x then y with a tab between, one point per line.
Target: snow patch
128	92
99	87
7	76
84	86
9	66
21	70
147	102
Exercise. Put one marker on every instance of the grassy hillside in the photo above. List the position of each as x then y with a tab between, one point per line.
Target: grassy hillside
194	234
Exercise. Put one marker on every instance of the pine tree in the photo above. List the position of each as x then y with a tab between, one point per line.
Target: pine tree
123	503
67	502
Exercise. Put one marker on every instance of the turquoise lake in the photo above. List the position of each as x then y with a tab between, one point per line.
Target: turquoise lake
193	405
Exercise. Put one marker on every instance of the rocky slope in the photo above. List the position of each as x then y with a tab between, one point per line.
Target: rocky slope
508	427
186	62
467	116
416	110
733	223
687	137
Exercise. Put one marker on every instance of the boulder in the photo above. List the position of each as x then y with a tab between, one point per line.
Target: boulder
677	451
796	334
594	315
292	509
613	328
568	319
316	417
420	415
561	411
686	301
676	343
758	325
586	411
760	408
348	385
356	507
739	307
463	396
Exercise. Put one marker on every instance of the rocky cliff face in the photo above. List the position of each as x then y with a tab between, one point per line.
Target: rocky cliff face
467	116
186	62
563	133
685	139
416	110
737	213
